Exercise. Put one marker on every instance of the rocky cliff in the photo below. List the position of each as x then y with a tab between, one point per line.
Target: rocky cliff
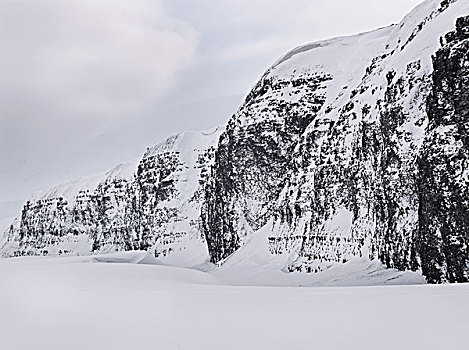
363	152
149	204
354	147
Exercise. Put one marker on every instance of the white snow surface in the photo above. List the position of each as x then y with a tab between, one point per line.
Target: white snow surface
344	58
132	301
69	190
253	264
5	223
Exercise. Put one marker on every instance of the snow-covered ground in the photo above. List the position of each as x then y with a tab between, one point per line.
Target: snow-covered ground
130	301
4	224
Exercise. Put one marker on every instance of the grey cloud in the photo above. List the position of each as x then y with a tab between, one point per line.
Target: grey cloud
98	59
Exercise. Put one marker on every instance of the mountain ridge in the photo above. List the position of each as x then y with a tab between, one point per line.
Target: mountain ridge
333	153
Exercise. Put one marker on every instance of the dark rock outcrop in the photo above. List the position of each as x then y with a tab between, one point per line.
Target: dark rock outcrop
444	164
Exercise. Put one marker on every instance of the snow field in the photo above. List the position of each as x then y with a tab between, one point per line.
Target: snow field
128	301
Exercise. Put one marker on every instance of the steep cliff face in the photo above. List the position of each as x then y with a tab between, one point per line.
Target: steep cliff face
69	216
444	164
152	204
256	152
359	174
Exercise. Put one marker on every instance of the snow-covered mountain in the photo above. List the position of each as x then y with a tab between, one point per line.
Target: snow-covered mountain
350	148
151	204
354	147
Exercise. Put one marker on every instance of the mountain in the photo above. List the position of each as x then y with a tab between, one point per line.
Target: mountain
148	204
354	147
349	148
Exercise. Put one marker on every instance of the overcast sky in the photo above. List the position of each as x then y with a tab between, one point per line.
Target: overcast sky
86	84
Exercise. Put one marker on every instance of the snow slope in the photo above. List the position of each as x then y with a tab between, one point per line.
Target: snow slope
89	183
80	303
254	264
